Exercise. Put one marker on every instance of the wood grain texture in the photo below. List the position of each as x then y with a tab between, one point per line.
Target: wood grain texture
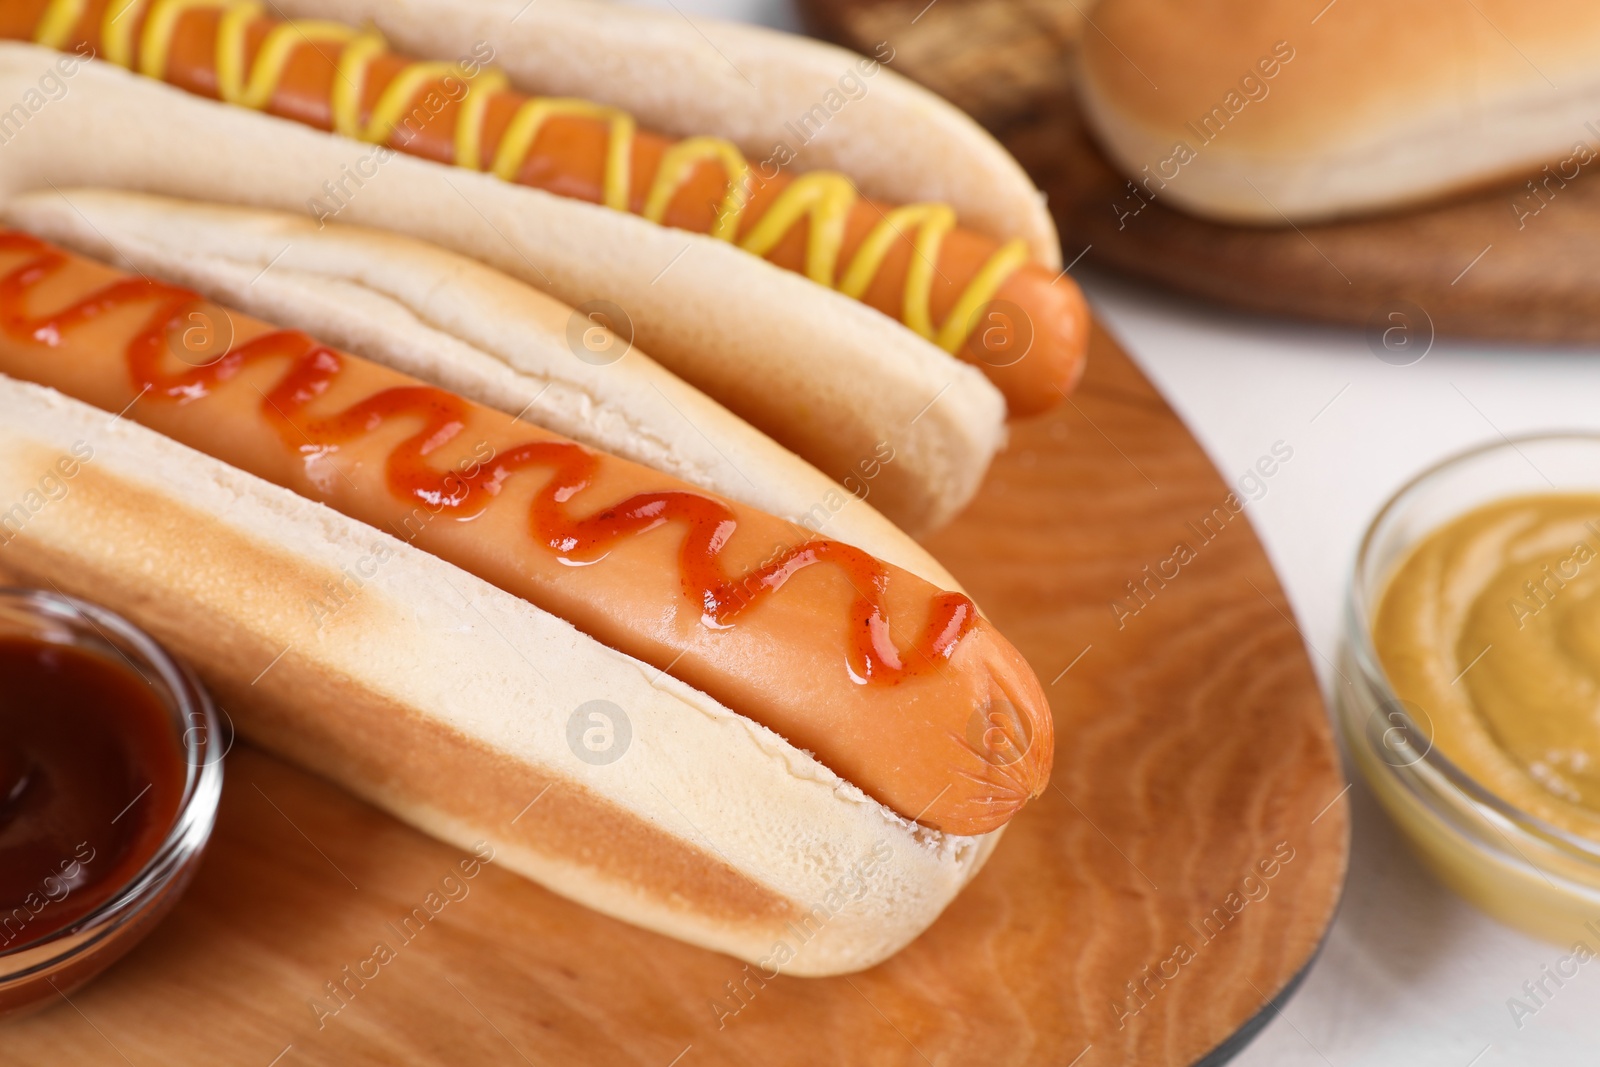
1193	747
1009	63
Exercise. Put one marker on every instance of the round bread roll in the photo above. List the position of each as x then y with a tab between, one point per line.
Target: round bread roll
1279	111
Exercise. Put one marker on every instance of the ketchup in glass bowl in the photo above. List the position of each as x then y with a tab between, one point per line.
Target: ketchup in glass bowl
110	774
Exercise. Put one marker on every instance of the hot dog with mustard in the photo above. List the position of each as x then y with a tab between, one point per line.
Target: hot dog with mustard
967	292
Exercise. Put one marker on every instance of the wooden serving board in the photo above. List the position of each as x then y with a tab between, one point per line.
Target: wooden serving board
1193	747
1475	266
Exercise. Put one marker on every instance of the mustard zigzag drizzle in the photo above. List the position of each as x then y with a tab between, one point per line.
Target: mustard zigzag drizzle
826	198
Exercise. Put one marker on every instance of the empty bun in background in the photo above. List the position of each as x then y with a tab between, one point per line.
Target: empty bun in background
1381	105
452	704
468	328
826	376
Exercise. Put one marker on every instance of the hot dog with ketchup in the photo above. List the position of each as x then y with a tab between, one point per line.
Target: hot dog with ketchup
911	262
902	689
736	743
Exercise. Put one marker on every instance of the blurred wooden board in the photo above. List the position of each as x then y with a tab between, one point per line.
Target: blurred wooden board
1193	747
1470	264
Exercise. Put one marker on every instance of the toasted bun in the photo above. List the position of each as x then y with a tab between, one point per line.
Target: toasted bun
451	703
825	375
1381	104
454	322
753	86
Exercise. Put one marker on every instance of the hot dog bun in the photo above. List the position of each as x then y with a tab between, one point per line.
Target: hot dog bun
1380	105
449	703
824	375
470	329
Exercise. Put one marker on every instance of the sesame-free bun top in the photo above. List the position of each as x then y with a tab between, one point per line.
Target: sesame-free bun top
1356	107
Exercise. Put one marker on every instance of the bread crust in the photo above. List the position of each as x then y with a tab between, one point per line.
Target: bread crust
1382	105
465	327
826	376
448	702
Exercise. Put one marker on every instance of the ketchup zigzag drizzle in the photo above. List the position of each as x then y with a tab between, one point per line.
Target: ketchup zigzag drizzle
709	523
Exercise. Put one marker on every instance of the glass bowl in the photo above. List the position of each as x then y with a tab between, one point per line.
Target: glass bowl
42	971
1518	868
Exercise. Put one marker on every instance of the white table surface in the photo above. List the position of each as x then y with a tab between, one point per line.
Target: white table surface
1410	974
